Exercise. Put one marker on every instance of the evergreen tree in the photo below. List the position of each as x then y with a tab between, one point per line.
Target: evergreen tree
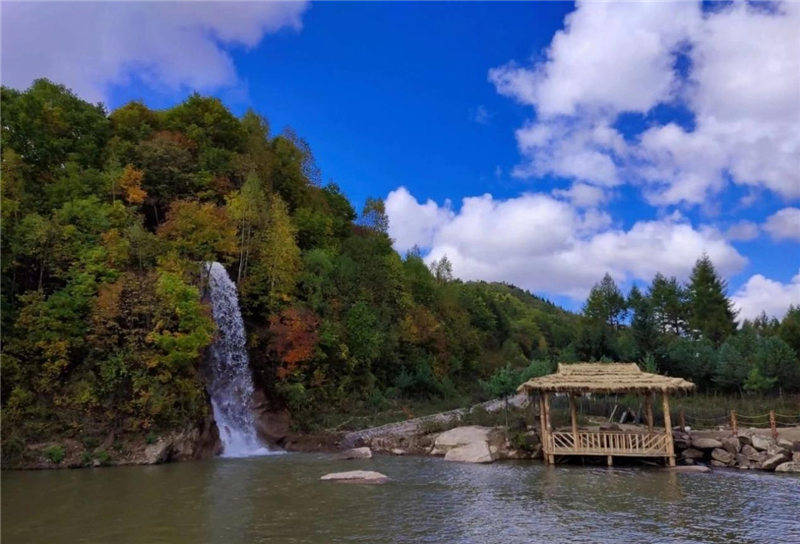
644	326
606	303
789	329
711	313
669	301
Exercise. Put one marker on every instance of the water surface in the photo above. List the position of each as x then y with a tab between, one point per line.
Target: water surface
280	499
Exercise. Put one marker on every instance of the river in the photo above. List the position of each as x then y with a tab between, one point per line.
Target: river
280	499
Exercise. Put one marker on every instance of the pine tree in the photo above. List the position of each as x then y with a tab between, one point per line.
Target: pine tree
711	313
643	321
669	301
605	302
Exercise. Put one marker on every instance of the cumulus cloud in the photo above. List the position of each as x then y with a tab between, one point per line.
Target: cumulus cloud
582	195
543	243
743	231
784	224
91	46
762	294
742	87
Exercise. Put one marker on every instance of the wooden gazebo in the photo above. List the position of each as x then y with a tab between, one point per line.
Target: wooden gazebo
605	378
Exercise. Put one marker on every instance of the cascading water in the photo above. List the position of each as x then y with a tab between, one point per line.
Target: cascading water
230	383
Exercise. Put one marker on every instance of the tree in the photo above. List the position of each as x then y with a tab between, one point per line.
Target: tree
130	183
502	384
275	266
644	326
606	303
669	302
442	270
711	313
248	208
374	217
199	232
789	329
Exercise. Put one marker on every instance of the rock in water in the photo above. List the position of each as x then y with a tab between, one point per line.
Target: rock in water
492	438
356	453
692	453
357	477
773	462
691	468
789	466
476	452
731	445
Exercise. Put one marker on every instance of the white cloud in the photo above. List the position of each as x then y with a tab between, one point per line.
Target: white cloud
582	195
541	243
411	223
742	87
762	294
481	115
91	46
784	224
742	230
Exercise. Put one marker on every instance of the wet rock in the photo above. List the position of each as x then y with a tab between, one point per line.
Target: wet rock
796	456
398	451
356	476
742	461
690	469
705	443
789	466
692	453
356	453
731	445
719	464
723	456
158	452
476	452
773	462
761	443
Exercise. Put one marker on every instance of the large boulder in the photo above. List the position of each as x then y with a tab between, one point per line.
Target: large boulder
475	452
355	453
692	453
692	468
723	456
772	462
789	466
705	443
786	444
492	438
750	452
761	443
356	477
731	445
158	452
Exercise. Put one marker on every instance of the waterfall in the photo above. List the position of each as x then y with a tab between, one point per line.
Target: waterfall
230	383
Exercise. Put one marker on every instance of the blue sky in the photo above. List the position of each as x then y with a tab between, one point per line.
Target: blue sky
602	133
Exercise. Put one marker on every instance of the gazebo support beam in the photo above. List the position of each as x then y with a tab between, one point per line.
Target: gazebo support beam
574	416
648	410
550	457
543	425
668	428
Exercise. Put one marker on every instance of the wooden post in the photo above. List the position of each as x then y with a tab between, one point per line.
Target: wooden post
648	407
668	428
610	461
543	426
734	425
574	417
682	419
550	457
772	424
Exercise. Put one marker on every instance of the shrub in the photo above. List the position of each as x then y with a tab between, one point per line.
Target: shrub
55	453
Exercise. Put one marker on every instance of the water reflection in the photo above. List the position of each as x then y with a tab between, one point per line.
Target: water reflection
280	499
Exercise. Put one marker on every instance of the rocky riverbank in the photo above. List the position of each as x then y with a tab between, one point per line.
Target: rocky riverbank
751	449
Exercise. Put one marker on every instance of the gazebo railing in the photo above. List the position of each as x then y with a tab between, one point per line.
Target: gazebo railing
651	444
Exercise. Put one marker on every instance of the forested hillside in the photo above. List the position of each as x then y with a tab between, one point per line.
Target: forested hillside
107	219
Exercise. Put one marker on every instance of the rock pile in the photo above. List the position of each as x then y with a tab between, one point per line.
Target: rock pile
746	451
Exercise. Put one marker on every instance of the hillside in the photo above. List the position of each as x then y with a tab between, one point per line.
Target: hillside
106	221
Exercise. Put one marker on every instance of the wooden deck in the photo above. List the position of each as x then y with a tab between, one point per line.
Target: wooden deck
648	444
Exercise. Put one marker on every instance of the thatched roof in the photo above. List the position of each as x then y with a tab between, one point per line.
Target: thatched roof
604	378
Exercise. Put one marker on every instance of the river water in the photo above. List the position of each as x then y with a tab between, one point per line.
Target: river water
280	499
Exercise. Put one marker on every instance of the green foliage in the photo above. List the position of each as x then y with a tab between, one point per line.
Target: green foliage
55	453
107	220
